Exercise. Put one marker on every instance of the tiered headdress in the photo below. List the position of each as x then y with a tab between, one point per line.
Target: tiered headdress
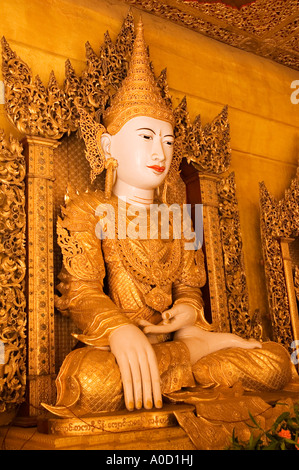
138	95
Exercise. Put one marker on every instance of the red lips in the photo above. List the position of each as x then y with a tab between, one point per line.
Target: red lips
160	169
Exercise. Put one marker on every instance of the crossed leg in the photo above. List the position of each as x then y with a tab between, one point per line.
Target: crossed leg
201	343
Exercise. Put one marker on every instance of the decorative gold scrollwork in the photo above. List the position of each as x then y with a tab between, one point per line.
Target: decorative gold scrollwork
267	28
209	146
12	273
279	220
52	111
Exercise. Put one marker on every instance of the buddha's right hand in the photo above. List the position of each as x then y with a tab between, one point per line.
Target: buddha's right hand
138	367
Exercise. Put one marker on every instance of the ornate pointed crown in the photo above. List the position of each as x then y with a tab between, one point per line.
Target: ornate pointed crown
139	94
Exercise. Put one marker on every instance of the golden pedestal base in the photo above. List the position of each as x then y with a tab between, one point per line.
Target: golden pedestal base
138	430
206	424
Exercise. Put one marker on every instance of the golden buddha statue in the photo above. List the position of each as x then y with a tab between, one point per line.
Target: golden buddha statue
149	336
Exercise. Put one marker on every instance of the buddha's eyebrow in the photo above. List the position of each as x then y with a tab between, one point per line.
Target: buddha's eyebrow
146	129
151	130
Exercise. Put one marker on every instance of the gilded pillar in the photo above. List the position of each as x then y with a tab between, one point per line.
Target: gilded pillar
279	225
213	247
288	270
40	282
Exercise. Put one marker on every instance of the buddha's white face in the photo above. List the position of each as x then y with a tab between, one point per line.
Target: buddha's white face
143	148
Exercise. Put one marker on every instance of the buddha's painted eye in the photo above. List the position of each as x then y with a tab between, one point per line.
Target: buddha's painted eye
146	137
168	140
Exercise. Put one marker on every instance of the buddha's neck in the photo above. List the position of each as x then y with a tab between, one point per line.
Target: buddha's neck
133	195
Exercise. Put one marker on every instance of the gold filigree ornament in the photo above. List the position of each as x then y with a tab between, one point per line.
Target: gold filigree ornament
12	277
92	132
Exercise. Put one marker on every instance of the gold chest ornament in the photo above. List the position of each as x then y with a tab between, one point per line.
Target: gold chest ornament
156	263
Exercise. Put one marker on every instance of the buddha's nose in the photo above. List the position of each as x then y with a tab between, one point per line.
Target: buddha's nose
158	151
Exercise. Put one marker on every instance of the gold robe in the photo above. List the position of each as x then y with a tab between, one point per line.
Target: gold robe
144	278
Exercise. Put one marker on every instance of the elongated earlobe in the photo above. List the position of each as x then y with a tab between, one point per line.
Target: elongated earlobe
105	142
110	163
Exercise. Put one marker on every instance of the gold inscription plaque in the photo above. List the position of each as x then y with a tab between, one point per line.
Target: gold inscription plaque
119	421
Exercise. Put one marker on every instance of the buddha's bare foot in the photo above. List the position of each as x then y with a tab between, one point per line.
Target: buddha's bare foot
201	343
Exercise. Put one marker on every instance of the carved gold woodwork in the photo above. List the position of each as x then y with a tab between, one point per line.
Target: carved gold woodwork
51	111
279	225
48	114
267	28
12	273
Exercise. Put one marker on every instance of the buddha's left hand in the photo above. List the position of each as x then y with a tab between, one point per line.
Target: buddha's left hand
179	316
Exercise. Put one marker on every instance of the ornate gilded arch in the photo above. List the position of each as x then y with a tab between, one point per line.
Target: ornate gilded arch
280	232
48	117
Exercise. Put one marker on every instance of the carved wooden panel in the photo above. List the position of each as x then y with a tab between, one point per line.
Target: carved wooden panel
279	226
12	273
268	28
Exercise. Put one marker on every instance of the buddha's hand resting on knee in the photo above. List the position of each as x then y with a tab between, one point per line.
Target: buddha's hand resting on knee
138	367
178	317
